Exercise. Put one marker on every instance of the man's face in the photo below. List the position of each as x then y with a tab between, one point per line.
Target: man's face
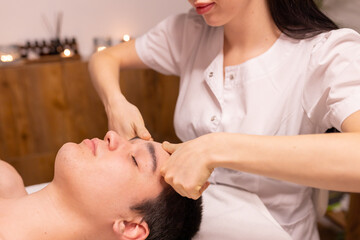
110	175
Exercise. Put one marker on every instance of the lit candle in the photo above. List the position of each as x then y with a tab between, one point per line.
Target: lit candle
126	38
7	58
9	54
67	53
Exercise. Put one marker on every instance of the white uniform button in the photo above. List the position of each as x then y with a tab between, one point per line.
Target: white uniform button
213	118
231	77
211	74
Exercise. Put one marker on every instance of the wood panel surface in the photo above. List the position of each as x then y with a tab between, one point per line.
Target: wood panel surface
353	218
43	106
155	95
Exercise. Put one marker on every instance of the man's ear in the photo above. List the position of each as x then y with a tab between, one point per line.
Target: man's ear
136	229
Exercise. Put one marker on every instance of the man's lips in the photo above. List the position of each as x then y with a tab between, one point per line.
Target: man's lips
202	8
91	144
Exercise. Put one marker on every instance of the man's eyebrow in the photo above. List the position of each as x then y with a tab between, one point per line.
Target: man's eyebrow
151	149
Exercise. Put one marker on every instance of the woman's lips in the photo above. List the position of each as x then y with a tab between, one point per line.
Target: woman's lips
204	7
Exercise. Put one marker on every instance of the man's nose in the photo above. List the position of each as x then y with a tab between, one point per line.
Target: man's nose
113	140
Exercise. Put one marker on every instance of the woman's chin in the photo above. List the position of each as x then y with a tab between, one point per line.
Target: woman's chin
212	22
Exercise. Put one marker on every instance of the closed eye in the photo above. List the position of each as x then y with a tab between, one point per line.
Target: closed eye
134	159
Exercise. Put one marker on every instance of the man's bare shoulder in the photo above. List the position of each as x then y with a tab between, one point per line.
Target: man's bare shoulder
11	183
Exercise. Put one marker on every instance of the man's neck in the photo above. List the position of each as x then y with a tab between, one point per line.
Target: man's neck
42	215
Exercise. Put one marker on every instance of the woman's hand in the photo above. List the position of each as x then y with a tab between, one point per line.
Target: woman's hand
190	164
104	67
126	120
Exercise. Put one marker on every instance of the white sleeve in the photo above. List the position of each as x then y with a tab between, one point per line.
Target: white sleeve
332	92
160	48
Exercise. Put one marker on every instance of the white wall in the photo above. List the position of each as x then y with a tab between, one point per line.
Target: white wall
22	20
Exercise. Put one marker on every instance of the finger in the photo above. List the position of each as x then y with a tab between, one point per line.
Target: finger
169	147
198	191
195	194
142	132
123	131
178	188
111	127
181	191
204	187
127	133
163	172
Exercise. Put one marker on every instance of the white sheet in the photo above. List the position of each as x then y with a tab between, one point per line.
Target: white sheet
35	188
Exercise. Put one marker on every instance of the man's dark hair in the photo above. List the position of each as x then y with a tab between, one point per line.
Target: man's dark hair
171	216
299	18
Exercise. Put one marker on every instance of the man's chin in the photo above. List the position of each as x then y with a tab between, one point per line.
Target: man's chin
67	148
68	152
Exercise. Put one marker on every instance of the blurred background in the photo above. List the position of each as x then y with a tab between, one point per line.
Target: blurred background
346	13
47	99
23	20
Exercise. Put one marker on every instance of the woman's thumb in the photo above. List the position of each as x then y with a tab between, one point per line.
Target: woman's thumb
169	147
143	133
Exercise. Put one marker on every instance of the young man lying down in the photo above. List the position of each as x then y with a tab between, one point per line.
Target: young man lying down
102	190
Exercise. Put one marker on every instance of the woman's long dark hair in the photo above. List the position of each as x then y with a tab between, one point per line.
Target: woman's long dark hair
299	18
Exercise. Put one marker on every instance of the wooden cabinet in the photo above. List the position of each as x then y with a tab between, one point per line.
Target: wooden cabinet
353	218
155	95
44	105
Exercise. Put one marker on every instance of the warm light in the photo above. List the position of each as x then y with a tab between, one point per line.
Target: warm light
67	53
126	38
101	48
7	58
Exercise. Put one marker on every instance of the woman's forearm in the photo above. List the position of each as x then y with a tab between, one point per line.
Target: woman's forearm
105	74
104	68
330	161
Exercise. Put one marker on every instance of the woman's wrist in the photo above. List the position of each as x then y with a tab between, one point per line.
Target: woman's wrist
220	153
114	101
229	150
